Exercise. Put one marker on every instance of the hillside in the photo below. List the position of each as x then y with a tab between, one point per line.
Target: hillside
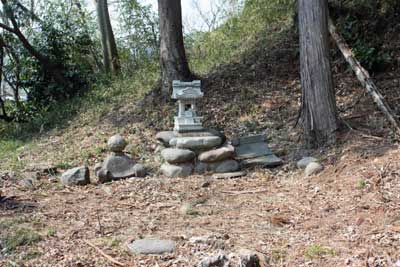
347	215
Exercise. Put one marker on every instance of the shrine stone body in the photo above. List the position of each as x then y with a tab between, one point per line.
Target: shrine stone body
187	93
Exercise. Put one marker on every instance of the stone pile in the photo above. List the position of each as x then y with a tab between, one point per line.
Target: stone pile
196	152
118	165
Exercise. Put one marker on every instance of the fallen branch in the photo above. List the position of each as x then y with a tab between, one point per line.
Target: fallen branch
245	192
363	76
109	258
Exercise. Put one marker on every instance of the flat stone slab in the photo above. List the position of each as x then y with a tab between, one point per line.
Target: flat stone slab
196	142
252	150
151	246
177	155
260	138
229	175
268	161
217	154
181	170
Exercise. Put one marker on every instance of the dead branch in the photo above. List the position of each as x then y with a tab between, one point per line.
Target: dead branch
245	192
363	76
109	258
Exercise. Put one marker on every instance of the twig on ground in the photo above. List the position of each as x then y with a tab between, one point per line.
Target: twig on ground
109	258
245	192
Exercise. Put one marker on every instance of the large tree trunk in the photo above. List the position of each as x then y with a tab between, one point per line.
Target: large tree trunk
110	53
318	107
174	65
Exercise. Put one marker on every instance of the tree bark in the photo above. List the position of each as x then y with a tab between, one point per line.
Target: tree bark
174	65
364	77
110	53
318	106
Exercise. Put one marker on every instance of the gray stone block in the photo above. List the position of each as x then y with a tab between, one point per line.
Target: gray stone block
151	246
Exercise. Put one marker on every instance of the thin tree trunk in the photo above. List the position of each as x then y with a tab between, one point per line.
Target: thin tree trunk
363	76
174	65
110	53
318	107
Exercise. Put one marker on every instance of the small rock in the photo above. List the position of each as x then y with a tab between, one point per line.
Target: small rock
176	155
249	258
205	184
313	168
116	143
181	170
28	183
217	154
188	209
302	164
165	136
199	240
196	142
217	261
76	176
139	170
151	246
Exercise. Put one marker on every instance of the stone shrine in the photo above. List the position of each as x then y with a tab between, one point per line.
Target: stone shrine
191	149
187	93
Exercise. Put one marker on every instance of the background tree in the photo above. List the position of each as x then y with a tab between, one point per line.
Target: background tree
174	65
318	105
110	53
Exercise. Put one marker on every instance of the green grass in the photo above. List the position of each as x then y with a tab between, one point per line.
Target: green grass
14	235
104	97
318	251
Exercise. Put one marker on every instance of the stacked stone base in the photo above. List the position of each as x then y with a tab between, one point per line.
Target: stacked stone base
196	153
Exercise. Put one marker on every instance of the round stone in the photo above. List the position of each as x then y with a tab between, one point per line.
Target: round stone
217	154
181	170
176	155
165	136
116	143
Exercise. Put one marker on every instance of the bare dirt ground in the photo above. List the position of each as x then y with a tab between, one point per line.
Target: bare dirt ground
348	215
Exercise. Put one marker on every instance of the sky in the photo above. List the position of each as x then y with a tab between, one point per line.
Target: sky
190	15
